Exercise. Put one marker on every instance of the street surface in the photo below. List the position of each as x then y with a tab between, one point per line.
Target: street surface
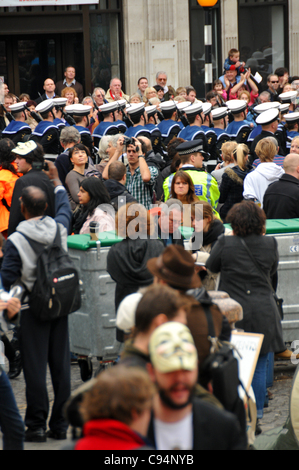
274	416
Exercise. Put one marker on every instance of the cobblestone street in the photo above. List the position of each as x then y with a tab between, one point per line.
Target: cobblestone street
274	416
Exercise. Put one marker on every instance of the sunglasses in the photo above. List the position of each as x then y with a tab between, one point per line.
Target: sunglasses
276	81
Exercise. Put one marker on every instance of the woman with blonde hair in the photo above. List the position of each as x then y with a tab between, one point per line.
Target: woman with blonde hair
231	188
267	172
227	156
150	93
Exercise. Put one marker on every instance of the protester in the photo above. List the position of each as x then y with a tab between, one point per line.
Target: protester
116	411
92	195
40	342
180	420
146	317
243	281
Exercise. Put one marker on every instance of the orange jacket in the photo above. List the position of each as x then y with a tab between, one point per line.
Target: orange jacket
7	184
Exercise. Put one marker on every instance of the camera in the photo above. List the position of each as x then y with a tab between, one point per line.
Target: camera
128	141
39	166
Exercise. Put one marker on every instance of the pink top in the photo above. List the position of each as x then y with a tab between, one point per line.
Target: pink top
106	221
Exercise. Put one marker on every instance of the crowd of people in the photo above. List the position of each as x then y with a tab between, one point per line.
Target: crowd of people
146	166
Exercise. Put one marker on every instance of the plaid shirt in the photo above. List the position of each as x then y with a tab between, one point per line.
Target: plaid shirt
141	191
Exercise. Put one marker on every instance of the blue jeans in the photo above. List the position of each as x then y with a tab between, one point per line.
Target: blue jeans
259	384
11	423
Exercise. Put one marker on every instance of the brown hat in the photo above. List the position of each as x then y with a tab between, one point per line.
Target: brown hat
175	266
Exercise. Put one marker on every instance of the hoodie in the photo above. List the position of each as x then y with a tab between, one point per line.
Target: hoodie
20	260
257	182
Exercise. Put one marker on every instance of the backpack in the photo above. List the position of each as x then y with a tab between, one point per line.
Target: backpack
56	291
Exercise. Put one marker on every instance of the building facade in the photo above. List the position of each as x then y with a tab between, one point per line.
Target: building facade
134	38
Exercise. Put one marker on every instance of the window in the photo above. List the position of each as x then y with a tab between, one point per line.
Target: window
262	30
105	57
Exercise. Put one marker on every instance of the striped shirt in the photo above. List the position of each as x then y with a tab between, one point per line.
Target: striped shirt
278	160
141	191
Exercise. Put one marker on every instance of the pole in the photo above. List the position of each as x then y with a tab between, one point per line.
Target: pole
208	50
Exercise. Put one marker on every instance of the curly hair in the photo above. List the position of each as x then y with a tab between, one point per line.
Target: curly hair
117	393
247	218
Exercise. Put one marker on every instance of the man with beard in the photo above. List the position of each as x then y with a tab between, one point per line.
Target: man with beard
180	420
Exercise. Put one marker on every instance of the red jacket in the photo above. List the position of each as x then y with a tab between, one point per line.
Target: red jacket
108	434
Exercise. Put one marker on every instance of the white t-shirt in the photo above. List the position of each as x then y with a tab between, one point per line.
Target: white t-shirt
174	436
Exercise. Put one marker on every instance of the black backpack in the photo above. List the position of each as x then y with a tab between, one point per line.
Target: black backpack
56	291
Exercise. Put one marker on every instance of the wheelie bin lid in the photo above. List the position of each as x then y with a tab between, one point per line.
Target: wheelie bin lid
275	226
83	242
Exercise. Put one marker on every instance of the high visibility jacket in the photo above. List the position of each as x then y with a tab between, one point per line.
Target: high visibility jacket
206	186
7	184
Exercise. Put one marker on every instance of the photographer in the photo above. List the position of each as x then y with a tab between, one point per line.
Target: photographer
140	178
30	162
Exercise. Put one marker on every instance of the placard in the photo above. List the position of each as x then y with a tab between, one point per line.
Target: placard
248	345
38	3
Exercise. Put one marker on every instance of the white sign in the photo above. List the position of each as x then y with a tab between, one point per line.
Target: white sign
248	345
38	3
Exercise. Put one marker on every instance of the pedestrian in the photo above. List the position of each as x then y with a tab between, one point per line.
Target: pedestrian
180	420
30	161
41	342
117	410
93	199
246	284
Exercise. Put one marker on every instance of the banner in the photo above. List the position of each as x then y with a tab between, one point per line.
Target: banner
38	3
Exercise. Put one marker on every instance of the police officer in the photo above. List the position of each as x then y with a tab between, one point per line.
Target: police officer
18	129
137	115
107	121
192	156
46	133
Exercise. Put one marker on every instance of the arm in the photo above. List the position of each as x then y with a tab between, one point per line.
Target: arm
15	210
11	269
118	152
236	88
144	169
214	261
63	213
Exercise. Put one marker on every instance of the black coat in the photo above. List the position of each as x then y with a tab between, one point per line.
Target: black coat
281	200
231	189
213	429
245	284
126	264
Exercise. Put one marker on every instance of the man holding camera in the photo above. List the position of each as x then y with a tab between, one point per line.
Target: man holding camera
140	177
30	162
